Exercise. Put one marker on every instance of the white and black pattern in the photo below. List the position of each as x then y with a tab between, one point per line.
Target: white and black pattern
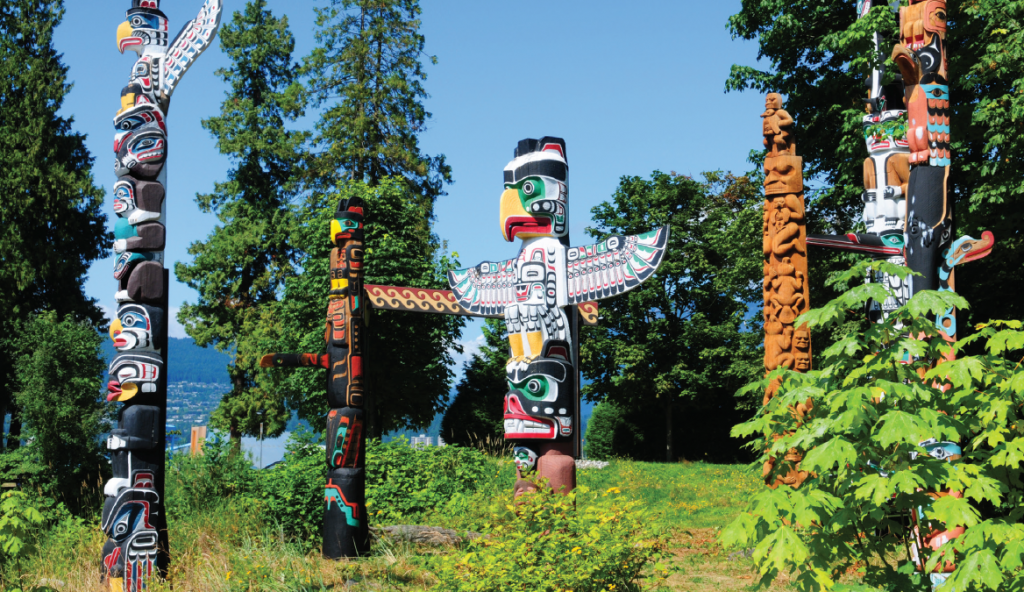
192	40
611	267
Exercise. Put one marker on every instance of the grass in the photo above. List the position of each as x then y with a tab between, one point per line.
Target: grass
232	549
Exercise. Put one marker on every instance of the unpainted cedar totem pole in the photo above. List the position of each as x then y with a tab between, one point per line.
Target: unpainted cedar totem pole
533	290
134	521
784	245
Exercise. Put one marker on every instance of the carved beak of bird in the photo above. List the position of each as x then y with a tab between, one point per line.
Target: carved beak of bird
979	249
516	220
125	38
115	333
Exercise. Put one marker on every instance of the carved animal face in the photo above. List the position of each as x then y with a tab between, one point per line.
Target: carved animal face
525	459
536	197
140	153
133	373
137	327
144	26
539	404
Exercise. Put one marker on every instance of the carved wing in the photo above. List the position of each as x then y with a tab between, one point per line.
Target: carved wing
614	266
485	289
192	40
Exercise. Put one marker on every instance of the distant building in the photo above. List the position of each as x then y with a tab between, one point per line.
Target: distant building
422	440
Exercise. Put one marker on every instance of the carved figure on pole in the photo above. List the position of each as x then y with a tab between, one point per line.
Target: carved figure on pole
134	520
346	530
533	292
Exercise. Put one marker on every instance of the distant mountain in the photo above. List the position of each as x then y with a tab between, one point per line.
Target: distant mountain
187	362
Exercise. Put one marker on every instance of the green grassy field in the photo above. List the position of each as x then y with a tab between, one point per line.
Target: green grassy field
231	550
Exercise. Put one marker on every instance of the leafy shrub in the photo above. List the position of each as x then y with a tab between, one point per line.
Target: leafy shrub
20	524
404	483
605	421
579	542
293	491
871	411
195	484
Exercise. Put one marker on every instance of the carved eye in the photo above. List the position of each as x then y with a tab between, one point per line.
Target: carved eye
528	188
138	21
533	386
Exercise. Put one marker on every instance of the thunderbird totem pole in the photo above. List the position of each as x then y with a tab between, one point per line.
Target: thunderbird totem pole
346	531
533	290
784	245
133	517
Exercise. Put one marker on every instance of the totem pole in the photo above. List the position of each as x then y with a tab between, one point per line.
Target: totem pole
534	292
346	531
784	245
133	517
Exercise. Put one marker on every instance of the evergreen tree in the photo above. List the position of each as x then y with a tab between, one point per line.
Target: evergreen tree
58	366
366	70
239	270
819	56
476	412
672	352
407	364
607	424
51	226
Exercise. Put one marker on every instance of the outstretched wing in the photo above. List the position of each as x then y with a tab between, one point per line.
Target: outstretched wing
614	266
192	40
485	289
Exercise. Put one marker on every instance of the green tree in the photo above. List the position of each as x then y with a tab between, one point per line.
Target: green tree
819	55
476	412
51	226
868	466
58	365
239	270
675	349
607	422
366	70
408	355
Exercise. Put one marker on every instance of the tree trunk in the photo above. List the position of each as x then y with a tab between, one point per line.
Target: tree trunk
669	453
14	434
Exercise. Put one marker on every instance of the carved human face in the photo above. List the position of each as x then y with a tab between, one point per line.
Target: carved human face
539	404
525	459
802	339
773	101
783	174
803	361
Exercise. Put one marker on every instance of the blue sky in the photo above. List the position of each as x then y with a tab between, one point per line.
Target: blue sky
632	88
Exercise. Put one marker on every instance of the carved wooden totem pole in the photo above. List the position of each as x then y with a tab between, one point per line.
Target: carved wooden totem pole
786	291
133	516
346	532
534	291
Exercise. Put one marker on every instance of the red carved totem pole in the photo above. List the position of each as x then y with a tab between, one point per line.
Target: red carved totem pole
786	291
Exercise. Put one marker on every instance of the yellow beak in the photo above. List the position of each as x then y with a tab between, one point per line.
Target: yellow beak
115	328
128	391
124	31
511	205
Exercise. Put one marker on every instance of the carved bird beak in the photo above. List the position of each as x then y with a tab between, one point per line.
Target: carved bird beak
125	38
511	209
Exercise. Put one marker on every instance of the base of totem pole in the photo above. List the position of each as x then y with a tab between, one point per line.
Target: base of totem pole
556	464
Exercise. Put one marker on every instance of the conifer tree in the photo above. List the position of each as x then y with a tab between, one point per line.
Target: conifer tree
51	225
366	72
240	268
476	412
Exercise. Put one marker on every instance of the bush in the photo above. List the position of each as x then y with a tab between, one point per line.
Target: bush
197	484
871	413
604	423
21	523
293	491
579	542
404	483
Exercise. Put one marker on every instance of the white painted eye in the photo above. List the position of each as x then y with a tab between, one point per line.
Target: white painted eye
528	188
533	386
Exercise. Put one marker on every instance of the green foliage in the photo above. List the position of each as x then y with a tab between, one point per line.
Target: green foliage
605	424
408	368
366	70
818	55
871	412
201	483
20	523
475	415
240	269
405	483
293	492
583	541
675	349
58	365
